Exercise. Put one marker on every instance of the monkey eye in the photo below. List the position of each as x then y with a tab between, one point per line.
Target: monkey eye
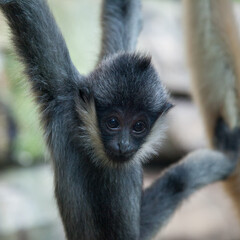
113	123
139	127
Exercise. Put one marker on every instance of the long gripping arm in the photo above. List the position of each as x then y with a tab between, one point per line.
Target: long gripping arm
54	81
121	25
160	200
196	170
41	47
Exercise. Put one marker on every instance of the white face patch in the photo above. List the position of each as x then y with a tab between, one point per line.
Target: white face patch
153	141
90	135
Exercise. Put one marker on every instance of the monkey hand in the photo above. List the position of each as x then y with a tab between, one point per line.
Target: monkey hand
227	140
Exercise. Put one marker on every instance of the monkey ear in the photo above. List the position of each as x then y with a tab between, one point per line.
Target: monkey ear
167	106
84	94
144	63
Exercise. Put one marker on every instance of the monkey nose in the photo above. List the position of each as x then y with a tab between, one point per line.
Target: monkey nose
125	149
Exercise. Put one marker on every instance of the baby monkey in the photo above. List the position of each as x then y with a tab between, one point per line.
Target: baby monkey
100	128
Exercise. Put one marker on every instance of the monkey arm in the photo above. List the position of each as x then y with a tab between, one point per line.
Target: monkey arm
121	24
196	170
41	47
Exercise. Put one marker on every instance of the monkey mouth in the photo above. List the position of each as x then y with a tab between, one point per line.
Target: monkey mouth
120	158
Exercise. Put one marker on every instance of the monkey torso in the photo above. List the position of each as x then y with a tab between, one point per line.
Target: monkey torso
105	203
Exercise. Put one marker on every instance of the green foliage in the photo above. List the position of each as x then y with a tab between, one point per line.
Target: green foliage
28	145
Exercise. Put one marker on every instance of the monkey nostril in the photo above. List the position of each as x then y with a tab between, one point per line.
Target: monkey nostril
119	148
121	151
114	148
125	149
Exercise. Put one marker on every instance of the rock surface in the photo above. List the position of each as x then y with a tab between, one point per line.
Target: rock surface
27	205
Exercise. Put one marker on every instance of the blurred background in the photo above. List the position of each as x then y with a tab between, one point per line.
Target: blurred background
27	205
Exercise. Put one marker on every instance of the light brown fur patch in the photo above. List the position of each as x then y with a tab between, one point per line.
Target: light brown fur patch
90	133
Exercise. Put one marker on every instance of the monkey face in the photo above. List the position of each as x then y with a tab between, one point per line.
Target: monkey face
123	133
128	97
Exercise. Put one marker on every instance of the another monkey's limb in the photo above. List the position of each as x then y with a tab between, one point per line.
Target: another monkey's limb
195	171
41	47
214	54
121	24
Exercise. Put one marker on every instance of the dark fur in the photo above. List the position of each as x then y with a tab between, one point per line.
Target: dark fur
119	81
98	200
121	24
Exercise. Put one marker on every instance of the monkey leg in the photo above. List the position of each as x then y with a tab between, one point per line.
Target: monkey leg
214	56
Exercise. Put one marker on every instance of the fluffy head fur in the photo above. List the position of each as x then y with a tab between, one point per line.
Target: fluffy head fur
126	81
